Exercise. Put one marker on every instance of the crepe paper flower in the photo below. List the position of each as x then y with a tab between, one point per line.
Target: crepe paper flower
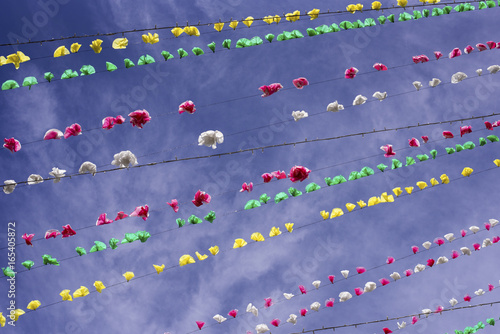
325	214
379	96
487	242
360	270
34	179
477	247
344	296
350	73
447	134
414	320
441	260
98	246
124	159
331	278
233	24
345	273
315	306
65	295
303	312
491	44
336	212
427	244
186	259
257	237
289	227
141	211
417	85
211	138
361	204
316	284
51	234
268	302
233	313
81	251
159	269
468	49
16	59
12	144
370	286
414	249
434	82
174	205
194	220
493	69
139	118
438	54
119	215
467	298
238	243
380	67
388	150
419	268
67	231
120	43
457	77
99	286
422	185
96	45
292	17
201	257
81	292
389	260
313	13
302	289
15	314
187	106
491	287
214	250
201	197
493	222
298	173
384	281
467	171
200	324
288	296
414	142
252	309
299	83
329	302
465	129
219	318
150	39
395	276
350	206
455	53
246	187
420	59
387	330
487	226
465	251
267	177
180	222
334	107
358	291
270	90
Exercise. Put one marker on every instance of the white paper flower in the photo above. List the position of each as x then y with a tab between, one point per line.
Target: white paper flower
465	251
299	115
288	295
211	138
450	237
380	96
88	167
395	276
9	186
360	99
402	325
315	306
417	85
434	82
457	77
345	273
334	107
252	309
442	259
479	292
262	328
292	319
57	174
453	302
493	69
219	318
493	222
427	244
419	268
474	229
426	311
35	179
479	71
124	159
316	284
344	296
370	286
487	242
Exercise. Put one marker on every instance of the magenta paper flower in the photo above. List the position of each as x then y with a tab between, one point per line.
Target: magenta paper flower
279	174
388	151
331	278
201	197
455	254
270	90
497	123
455	53
302	289
481	47
490	287
358	291
420	59
121	215
267	177
73	130
384	281
350	73
174	204
28	238
246	187
463	233
233	313
487	226
488	125
447	134
438	54
465	130
430	262
102	220
386	330
275	322
299	83
108	123
119	119
329	302
139	118
491	44
414	142
477	247
408	272
141	211
187	106
468	49
425	139
467	298
439	241
53	134
268	302
414	249
298	173
414	320
303	312
439	309
200	324
67	231
360	270
495	239
380	67
12	144
390	260
52	234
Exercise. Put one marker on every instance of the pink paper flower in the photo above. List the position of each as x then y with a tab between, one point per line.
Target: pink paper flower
108	123
495	239
438	54
465	129
201	197
174	205
121	215
279	174
467	298
497	123
481	47
329	302
358	291
246	187
331	278
350	73
28	238
141	211
303	312
139	118
408	272
302	289
487	226
468	49
414	142
388	151
414	320
414	249
233	313
384	281
119	119
67	231
455	254
463	233
420	59
187	106
447	134
52	234
299	83
271	89
102	220
490	287
298	173
430	262
360	270
200	324
73	130
53	134
12	144
380	67
425	139
268	302
267	177
439	241
455	53
275	322
389	260
439	309
477	247
386	330
488	125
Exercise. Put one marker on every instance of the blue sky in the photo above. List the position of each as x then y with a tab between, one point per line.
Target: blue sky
174	300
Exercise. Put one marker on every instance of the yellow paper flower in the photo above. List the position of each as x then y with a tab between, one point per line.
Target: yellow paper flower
3	60
99	286
289	227
423	1
218	26
351	8
350	206
444	179
325	214
313	14
361	204
397	191
359	7
33	305
385	198
337	212
96	45
402	3
434	182
17	313
409	189
467	171
65	295
277	19
233	24
268	19
390	199
248	21
238	243
177	31
201	257
82	292
61	51
257	237
214	250
433	1
150	39
421	185
497	162
159	269
186	259
120	43
75	47
16	59
274	231
292	17
192	31
376	5
128	275
373	201
2	320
